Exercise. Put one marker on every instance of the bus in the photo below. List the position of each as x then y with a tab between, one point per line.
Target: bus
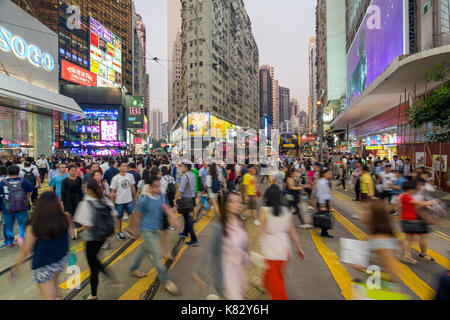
289	146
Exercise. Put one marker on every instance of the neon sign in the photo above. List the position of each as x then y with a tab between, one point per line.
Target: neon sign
108	130
19	47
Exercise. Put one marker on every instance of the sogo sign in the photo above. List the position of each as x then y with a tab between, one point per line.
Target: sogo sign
22	50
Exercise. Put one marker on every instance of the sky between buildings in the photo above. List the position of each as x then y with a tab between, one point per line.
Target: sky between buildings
281	29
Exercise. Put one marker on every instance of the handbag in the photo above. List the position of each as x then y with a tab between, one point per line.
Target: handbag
414	226
322	219
185	205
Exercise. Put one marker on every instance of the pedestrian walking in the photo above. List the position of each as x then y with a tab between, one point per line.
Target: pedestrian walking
16	196
31	174
123	194
43	167
96	215
214	187
324	206
71	193
273	236
150	210
47	238
228	254
250	191
56	181
184	203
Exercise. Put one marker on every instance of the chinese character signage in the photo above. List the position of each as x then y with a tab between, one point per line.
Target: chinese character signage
108	130
76	74
308	138
106	55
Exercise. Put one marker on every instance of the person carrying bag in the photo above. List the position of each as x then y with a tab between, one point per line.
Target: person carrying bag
322	219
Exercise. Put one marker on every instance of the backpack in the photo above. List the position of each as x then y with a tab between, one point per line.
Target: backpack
103	223
30	177
215	185
171	191
17	200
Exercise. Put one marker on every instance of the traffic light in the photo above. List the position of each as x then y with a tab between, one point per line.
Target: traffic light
1	144
330	141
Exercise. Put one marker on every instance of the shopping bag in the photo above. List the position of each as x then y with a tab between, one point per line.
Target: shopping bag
205	202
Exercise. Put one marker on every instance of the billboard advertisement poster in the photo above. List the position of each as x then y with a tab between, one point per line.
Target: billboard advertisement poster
106	49
379	40
108	130
218	127
78	75
439	163
94	66
135	113
199	125
420	159
307	138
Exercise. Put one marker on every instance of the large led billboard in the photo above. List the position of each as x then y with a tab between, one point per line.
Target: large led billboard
76	74
135	113
105	55
379	40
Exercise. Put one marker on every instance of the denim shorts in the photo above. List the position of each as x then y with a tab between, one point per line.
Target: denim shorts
124	206
48	272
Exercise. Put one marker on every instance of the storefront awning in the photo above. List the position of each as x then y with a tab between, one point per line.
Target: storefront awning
20	94
385	91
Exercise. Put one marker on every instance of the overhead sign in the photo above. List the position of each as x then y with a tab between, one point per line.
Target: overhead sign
108	130
76	74
106	55
374	147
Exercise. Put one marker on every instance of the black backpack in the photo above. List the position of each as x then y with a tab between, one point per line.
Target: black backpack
171	191
103	222
30	177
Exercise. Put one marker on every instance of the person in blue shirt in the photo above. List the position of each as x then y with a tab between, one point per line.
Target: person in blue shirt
133	171
150	212
111	172
56	182
9	217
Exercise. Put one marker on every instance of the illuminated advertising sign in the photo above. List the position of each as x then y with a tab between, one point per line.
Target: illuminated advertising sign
218	127
380	39
22	50
76	74
373	141
106	50
89	129
135	113
308	138
108	130
199	125
137	140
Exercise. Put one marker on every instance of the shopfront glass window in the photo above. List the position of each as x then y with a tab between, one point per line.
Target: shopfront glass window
25	133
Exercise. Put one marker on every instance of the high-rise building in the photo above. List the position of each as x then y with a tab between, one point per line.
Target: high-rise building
139	55
313	84
285	112
156	124
177	89
265	94
294	107
174	55
276	102
220	59
74	43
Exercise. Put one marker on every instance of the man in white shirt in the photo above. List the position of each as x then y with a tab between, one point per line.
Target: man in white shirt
396	164
387	178
43	167
29	172
123	194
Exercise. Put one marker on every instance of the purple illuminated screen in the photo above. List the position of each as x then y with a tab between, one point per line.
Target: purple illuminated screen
108	130
374	49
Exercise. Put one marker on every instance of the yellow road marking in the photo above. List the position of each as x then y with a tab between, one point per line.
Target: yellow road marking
86	273
411	280
440	237
135	292
443	234
339	272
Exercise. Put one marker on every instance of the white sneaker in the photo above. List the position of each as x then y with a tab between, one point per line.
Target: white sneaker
105	246
305	226
212	297
171	287
120	236
257	223
125	218
355	216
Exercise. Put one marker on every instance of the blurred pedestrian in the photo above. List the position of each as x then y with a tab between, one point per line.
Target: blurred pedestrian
228	252
87	214
273	235
47	238
56	181
214	187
